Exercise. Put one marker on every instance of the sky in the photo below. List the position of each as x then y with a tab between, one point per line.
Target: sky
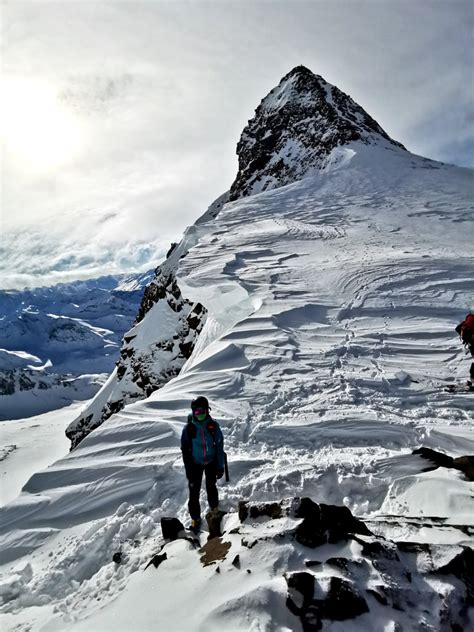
120	120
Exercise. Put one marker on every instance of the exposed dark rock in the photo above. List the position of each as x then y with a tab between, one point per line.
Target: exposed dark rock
307	508
414	547
325	523
143	370
272	510
243	510
338	562
7	384
25	383
310	619
342	601
157	559
466	465
214	519
117	557
300	591
186	348
380	598
295	128
462	567
121	370
171	248
378	549
236	561
437	458
171	528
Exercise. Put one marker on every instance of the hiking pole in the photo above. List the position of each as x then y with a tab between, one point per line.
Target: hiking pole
226	467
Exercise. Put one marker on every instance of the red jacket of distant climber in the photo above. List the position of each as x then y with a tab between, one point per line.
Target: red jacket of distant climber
466	330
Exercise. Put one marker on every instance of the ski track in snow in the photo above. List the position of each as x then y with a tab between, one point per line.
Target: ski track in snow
332	303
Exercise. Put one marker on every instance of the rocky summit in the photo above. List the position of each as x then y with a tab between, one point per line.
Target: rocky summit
294	130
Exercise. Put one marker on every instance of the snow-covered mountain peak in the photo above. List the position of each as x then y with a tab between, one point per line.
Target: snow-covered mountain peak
295	129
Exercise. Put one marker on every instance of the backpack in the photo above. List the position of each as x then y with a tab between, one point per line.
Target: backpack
466	329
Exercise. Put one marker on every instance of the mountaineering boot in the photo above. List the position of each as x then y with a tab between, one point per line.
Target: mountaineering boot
196	525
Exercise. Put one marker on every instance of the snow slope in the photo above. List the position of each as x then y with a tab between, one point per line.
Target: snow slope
332	303
29	445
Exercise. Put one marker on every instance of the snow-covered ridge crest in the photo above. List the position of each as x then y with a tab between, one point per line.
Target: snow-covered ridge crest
300	127
295	128
161	340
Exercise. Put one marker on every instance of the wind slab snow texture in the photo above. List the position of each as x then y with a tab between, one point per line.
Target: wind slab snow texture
332	305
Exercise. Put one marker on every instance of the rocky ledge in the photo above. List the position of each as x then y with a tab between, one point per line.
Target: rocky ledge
334	567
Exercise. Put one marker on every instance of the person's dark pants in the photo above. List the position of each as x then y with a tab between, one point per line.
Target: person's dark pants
194	482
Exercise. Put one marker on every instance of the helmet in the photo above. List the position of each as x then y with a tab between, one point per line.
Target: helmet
199	402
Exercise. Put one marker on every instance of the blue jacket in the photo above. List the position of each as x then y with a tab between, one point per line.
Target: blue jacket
202	443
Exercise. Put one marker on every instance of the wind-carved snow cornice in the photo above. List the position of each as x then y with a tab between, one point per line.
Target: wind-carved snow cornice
295	128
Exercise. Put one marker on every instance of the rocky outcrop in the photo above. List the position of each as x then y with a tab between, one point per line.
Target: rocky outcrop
464	464
350	576
153	352
294	130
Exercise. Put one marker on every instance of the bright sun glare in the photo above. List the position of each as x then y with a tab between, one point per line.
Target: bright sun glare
35	128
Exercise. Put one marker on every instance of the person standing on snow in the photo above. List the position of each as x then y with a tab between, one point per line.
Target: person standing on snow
202	445
466	331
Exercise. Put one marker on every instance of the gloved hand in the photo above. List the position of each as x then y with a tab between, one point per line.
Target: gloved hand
219	473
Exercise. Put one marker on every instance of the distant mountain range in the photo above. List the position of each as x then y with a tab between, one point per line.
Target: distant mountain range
59	343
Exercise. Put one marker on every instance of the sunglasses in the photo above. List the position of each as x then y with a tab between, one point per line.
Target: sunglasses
200	411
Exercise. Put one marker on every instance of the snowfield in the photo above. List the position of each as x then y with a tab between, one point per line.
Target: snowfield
332	303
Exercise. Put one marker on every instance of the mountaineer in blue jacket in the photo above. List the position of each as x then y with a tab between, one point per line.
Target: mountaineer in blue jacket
202	445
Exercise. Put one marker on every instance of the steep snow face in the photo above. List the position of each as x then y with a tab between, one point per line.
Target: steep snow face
58	344
331	306
295	129
158	345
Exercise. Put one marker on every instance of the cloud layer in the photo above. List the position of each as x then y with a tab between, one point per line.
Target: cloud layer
161	92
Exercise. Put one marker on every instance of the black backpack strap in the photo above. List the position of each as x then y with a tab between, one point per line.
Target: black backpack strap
191	428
